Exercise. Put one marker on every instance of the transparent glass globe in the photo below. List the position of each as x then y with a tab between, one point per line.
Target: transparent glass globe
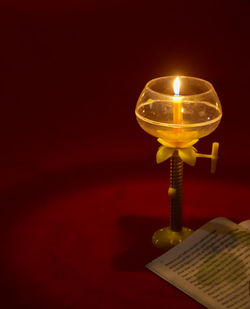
178	116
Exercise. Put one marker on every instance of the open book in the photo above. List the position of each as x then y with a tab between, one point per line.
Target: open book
212	265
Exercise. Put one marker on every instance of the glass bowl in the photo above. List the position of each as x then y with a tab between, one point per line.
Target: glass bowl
179	116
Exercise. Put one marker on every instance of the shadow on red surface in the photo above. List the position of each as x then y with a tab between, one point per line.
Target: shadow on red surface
136	234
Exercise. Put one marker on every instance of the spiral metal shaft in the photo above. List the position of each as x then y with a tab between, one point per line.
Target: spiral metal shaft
176	178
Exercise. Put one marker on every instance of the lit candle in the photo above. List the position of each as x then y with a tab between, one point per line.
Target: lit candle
177	108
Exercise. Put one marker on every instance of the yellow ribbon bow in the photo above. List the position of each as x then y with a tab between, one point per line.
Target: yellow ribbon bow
187	153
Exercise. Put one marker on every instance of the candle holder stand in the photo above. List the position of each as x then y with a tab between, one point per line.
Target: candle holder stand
167	237
178	111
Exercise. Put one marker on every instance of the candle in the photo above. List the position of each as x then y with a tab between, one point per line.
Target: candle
177	108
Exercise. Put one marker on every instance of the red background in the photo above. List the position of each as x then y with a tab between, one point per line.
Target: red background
81	193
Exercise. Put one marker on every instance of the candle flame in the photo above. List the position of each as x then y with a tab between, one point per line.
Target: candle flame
177	84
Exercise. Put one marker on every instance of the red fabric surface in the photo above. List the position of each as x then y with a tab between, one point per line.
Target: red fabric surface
72	245
80	191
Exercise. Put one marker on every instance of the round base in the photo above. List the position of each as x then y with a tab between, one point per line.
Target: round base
166	238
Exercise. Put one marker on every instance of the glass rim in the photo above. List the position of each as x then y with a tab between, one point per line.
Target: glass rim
211	88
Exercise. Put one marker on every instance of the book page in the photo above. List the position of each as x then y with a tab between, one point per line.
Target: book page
245	225
212	265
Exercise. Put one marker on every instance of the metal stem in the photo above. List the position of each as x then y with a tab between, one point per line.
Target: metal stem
176	176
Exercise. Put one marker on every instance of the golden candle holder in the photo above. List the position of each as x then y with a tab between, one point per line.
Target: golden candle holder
178	111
